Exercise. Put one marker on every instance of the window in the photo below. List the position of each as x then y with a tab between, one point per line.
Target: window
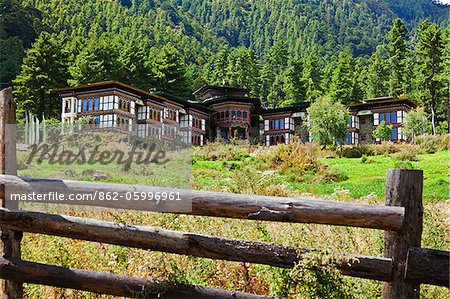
170	114
388	118
124	104
68	107
278	124
239	114
108	103
394	117
244	114
233	114
96	103
394	134
353	122
227	114
276	139
91	104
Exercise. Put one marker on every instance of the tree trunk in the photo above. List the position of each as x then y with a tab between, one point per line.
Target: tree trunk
433	119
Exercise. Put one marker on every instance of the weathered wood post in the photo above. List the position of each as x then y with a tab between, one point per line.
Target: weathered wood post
10	240
403	188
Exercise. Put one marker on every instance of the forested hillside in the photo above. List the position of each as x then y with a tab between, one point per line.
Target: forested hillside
286	51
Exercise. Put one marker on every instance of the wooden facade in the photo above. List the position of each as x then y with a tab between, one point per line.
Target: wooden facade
222	113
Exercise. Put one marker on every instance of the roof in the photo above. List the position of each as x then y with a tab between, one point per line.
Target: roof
110	84
294	108
382	100
225	88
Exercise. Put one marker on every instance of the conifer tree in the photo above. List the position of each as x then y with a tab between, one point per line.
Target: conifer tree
429	52
98	61
220	67
397	49
242	68
43	69
168	71
312	77
342	82
377	77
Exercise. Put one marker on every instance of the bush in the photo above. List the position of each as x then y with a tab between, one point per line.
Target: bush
355	151
366	160
404	164
385	148
294	155
408	152
217	151
431	144
332	175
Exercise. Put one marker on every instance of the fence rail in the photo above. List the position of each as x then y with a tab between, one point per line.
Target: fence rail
218	204
403	268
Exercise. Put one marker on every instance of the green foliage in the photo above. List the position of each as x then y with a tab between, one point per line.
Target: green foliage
342	82
397	49
43	69
327	121
286	52
168	70
378	74
18	29
416	123
429	53
382	131
316	277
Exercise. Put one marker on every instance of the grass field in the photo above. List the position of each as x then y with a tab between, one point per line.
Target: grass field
362	179
280	171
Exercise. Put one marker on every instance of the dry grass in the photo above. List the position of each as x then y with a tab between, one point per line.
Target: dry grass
295	160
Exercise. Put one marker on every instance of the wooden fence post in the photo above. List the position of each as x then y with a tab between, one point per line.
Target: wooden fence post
403	188
10	240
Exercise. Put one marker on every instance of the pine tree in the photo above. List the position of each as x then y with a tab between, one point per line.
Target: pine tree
98	61
397	49
132	59
220	67
342	82
11	55
168	71
429	52
294	84
312	77
43	69
242	68
377	78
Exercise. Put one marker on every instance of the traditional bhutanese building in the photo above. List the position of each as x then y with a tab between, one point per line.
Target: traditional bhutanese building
222	112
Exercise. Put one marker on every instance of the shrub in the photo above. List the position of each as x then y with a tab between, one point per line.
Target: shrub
431	144
355	151
408	153
404	164
366	160
217	151
292	156
332	175
385	148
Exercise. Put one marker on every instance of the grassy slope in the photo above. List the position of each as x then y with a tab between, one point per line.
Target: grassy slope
364	179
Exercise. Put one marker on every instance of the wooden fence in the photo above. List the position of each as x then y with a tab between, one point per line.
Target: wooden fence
403	268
